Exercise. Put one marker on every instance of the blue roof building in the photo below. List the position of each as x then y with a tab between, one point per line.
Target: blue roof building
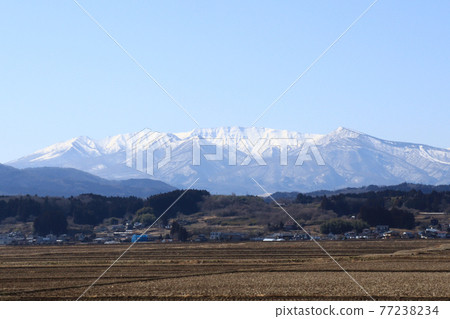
140	238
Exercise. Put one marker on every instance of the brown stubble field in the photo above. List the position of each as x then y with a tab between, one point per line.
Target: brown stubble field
388	270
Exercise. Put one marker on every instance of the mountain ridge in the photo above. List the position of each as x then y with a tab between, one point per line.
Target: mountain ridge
426	189
53	181
352	159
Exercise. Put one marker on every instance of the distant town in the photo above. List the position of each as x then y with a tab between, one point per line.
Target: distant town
199	216
133	232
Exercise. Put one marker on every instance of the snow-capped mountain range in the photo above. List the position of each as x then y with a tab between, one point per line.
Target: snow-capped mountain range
225	159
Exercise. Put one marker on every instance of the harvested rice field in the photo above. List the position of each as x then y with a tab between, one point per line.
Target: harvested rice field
387	270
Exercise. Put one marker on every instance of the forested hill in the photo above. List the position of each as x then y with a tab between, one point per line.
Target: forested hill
54	181
404	187
397	209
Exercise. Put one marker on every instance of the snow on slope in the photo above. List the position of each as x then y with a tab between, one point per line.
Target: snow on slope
351	159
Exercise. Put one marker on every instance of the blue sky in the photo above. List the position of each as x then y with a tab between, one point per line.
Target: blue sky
224	61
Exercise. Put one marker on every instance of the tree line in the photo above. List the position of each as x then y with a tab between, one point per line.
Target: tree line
49	215
390	207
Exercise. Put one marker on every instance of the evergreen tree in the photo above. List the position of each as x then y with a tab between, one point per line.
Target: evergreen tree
50	222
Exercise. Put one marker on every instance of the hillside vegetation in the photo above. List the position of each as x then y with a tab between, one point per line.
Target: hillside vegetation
200	212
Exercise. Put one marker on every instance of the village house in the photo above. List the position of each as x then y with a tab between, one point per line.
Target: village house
5	239
441	234
380	229
226	236
391	234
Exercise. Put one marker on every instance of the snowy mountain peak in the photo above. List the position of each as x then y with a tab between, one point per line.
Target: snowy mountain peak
238	132
351	159
82	145
346	133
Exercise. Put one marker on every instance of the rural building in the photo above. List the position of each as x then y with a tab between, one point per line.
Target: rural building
201	238
332	236
226	236
140	238
407	235
285	236
215	235
5	239
382	228
350	235
391	234
100	240
441	234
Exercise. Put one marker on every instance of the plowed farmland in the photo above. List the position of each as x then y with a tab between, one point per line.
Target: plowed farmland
388	270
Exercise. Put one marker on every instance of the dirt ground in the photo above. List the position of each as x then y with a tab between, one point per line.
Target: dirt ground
387	270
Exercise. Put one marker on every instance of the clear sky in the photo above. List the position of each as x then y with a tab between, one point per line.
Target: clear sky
225	62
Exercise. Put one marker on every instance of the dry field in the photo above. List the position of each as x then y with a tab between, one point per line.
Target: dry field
388	270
